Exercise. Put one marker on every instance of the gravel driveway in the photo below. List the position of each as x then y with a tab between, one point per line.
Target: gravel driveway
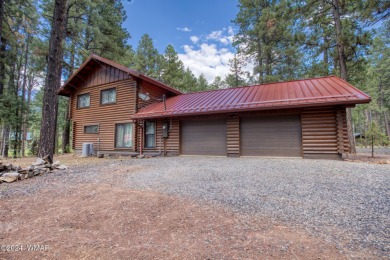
347	203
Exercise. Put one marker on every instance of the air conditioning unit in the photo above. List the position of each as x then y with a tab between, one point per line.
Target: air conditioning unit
87	150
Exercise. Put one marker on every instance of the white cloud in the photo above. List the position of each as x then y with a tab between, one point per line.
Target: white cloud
183	29
194	39
224	36
211	54
208	59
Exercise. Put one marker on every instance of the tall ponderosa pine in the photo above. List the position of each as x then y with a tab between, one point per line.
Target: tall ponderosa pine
237	76
266	37
2	49
53	80
172	69
147	59
92	27
202	83
189	81
18	23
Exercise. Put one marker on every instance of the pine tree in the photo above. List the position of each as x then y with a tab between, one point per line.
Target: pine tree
172	69
202	83
237	76
53	81
189	81
2	47
147	59
266	37
218	83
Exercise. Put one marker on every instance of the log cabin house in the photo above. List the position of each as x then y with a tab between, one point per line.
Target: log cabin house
122	111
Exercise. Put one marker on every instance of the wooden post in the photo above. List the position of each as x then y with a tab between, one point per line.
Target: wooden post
340	138
141	138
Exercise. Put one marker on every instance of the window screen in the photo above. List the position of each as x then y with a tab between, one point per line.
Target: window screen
108	96
83	100
150	134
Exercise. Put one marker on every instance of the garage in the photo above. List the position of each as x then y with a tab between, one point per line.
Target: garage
278	135
203	137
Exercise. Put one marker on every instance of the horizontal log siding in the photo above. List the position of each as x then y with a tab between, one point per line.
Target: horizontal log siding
342	118
320	133
155	93
105	116
168	145
233	136
172	145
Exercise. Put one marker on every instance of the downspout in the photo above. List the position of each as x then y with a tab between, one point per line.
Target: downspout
141	139
159	150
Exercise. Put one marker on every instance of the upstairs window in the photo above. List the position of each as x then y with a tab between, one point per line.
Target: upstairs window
150	134
108	96
83	100
91	129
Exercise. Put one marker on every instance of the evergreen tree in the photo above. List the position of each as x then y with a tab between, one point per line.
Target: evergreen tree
266	37
53	81
237	76
172	69
147	59
218	83
202	83
189	81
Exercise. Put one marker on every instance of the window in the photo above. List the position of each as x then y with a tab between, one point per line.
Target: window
124	135
108	96
150	134
83	100
91	129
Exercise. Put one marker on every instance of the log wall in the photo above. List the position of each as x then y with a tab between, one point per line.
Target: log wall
233	136
167	146
106	116
324	133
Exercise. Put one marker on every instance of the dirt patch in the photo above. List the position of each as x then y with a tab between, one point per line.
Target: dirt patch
105	222
381	156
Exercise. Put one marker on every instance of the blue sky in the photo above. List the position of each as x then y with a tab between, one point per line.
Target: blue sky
200	31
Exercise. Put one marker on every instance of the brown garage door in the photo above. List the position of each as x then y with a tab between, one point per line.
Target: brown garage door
271	136
203	137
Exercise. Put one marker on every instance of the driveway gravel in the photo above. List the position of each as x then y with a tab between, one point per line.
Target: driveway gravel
344	202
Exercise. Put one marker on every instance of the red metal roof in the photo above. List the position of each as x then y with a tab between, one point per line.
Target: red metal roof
323	91
131	72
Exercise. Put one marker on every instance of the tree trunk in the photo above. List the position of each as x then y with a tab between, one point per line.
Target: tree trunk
66	133
24	88
3	44
387	127
2	6
342	61
260	62
326	57
339	40
381	101
4	152
53	81
28	103
2	47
